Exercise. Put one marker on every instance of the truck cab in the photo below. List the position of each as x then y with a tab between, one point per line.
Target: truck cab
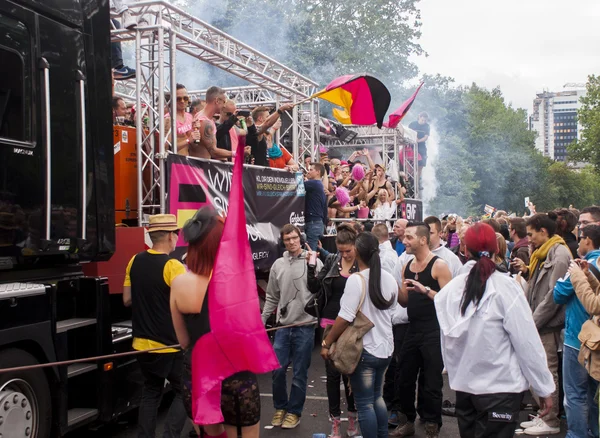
56	212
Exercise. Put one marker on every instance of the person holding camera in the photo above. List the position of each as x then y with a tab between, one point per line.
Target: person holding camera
288	292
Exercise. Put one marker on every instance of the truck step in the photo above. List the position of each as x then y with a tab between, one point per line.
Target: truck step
74	323
79	415
80	368
19	290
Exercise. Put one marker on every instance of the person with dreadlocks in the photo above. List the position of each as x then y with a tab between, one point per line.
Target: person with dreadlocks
490	345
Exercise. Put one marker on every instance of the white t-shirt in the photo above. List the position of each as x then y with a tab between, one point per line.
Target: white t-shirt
379	341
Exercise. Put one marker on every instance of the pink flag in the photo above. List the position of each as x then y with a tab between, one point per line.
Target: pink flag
399	114
237	340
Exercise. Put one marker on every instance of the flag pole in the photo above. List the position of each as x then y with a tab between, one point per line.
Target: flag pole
303	100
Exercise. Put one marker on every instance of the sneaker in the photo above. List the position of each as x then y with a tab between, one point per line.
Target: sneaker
533	422
291	421
542	428
393	419
123	73
432	430
407	429
353	427
129	21
278	418
336	426
448	408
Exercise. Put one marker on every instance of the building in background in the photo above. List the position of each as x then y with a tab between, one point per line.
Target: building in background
554	118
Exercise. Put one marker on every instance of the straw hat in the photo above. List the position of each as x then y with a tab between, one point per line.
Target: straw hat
163	222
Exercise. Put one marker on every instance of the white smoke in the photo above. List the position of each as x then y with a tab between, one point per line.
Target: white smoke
430	182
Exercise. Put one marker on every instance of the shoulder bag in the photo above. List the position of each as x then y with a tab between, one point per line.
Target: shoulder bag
589	353
345	353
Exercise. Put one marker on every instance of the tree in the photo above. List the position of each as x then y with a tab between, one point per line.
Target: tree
323	39
588	148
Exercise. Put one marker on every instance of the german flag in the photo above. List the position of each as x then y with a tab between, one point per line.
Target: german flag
397	116
364	99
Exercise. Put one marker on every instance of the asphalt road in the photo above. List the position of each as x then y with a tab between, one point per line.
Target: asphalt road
314	419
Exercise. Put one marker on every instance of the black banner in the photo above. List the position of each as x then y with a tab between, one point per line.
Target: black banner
412	210
272	199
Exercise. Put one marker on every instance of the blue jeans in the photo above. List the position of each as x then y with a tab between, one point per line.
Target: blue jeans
367	385
314	230
292	345
580	389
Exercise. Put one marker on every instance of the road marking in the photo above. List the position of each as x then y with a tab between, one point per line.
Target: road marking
308	397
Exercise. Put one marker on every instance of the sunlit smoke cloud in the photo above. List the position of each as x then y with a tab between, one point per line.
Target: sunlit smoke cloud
430	182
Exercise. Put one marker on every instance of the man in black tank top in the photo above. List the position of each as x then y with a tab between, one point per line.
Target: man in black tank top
147	289
421	352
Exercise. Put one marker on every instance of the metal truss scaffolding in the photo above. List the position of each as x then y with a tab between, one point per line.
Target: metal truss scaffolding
169	30
304	136
396	145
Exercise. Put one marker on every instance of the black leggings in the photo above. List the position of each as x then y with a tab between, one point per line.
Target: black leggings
334	379
488	415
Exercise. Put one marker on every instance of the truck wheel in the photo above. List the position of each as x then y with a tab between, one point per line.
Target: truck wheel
25	402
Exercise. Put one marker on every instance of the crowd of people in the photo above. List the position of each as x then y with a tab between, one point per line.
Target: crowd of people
497	302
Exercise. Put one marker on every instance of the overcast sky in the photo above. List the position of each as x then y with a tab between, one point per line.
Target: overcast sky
525	46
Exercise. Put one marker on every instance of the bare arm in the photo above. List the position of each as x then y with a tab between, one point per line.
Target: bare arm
187	296
370	161
403	293
441	272
127	296
209	140
272	119
181	332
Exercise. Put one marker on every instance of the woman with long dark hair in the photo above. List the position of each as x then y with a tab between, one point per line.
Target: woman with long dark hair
379	305
331	281
491	347
240	397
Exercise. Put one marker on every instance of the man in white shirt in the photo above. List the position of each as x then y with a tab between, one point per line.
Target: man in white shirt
436	246
387	255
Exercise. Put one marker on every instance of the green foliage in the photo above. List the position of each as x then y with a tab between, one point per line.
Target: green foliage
487	156
323	39
588	148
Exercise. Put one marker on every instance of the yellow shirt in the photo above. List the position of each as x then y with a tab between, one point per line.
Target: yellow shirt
172	269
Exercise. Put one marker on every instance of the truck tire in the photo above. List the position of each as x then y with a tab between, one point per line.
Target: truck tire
25	401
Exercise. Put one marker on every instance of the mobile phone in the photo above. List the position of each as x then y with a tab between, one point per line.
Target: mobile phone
243	113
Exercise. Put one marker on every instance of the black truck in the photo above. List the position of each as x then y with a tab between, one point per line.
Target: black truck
57	212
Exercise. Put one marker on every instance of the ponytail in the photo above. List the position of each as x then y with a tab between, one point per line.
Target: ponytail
476	281
367	248
480	240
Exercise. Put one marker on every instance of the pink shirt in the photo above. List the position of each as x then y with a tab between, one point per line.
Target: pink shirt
185	126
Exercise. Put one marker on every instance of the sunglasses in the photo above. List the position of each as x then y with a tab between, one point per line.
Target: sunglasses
183	99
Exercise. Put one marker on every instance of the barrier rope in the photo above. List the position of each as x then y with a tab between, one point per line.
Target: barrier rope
118	355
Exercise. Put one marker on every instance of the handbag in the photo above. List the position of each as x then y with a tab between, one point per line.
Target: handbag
316	303
345	353
589	353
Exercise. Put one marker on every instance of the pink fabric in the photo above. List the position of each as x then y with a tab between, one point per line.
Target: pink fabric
237	340
235	139
326	322
185	126
342	195
363	213
398	115
358	173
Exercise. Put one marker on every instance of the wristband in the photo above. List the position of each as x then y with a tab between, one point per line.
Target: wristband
279	112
